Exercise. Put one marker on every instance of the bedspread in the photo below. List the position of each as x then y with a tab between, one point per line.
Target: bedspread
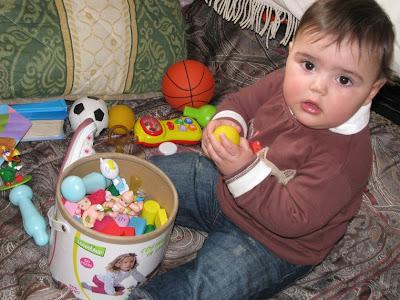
365	263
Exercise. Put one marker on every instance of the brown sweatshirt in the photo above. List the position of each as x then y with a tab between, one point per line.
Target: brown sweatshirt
299	219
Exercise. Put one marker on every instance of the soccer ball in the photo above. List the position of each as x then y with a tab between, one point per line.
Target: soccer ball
86	107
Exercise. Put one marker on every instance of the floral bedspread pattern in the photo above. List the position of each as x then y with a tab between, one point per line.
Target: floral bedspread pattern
365	264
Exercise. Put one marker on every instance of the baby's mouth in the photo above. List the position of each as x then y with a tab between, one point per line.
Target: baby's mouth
310	107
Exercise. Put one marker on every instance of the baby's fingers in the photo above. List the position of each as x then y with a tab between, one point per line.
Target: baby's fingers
229	148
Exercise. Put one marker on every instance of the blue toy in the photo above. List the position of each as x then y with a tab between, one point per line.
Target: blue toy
33	221
139	224
95	181
73	188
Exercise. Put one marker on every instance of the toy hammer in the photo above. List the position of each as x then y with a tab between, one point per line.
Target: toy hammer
33	221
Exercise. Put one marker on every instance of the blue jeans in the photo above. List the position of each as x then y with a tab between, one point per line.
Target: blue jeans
231	264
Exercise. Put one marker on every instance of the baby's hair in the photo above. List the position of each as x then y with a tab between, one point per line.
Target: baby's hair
112	265
361	21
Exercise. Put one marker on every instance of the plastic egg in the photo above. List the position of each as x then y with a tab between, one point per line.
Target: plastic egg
73	188
94	181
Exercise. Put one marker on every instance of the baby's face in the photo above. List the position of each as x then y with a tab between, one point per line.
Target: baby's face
126	263
325	84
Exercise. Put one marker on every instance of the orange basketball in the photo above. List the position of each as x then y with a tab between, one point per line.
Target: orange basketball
188	83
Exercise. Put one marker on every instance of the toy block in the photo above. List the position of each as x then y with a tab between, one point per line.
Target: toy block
149	228
150	210
161	218
108	226
139	224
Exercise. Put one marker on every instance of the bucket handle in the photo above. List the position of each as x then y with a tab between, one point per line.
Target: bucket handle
56	224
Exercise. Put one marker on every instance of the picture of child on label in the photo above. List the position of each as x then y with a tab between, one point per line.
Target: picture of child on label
119	269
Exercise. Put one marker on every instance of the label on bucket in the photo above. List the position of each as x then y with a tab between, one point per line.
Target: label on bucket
93	269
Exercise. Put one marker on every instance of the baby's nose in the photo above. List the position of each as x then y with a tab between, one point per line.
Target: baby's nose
319	85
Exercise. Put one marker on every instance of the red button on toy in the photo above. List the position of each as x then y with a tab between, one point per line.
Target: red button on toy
170	125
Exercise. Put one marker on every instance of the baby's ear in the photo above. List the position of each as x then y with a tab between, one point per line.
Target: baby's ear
376	86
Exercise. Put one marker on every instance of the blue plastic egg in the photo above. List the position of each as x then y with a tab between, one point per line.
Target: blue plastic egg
73	188
94	181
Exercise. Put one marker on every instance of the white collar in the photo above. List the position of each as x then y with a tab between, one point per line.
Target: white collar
356	123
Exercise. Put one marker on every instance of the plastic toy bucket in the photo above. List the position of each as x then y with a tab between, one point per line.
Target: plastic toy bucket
79	256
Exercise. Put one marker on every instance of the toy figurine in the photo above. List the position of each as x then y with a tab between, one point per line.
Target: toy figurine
134	207
124	204
9	170
110	170
114	206
93	213
76	208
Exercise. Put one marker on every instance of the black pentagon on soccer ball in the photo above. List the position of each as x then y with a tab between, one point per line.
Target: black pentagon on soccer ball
79	108
98	115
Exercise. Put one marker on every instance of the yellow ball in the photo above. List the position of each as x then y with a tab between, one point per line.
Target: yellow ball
121	114
230	132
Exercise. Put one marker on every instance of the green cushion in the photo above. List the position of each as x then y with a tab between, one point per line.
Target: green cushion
54	48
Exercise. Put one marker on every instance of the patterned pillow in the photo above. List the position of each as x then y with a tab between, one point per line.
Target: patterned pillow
52	48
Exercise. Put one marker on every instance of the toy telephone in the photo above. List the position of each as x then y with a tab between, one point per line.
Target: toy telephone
151	132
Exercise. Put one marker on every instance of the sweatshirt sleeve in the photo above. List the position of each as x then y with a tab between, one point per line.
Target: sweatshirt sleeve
319	192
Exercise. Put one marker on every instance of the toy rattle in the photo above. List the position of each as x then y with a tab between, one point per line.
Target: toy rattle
203	114
33	222
110	170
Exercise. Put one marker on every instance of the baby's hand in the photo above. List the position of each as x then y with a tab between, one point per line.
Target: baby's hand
210	128
228	157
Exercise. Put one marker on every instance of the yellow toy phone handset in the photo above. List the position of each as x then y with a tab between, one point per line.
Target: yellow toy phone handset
151	132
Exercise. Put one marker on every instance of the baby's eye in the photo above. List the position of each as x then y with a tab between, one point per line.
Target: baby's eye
343	80
309	66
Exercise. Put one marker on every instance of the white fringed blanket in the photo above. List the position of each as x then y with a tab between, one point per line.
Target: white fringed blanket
249	15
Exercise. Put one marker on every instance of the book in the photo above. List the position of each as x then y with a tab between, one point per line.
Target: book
47	110
13	127
42	130
47	119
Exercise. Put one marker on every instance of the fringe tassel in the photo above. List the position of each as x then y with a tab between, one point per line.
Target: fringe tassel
249	15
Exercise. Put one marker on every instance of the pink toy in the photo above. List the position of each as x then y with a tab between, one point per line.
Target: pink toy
122	220
76	208
71	208
93	213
